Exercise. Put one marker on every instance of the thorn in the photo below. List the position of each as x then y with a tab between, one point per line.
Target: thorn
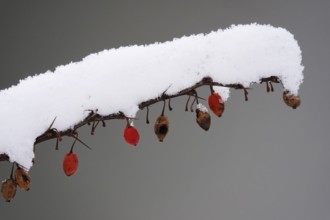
166	90
50	126
77	139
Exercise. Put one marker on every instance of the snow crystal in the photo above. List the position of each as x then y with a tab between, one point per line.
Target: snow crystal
119	79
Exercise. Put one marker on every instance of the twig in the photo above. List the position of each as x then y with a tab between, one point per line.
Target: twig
94	117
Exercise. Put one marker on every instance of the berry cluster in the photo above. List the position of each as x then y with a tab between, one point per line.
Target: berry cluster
9	186
131	135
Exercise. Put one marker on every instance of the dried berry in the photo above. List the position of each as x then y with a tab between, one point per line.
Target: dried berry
8	189
216	104
23	179
291	100
161	127
131	135
203	118
70	163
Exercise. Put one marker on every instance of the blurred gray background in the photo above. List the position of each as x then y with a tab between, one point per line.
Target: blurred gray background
260	161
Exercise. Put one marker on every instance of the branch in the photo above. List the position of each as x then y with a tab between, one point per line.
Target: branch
53	133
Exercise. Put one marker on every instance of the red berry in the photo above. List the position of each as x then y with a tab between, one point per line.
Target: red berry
70	164
216	104
131	135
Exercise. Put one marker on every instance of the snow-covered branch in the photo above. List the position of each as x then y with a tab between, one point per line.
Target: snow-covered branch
94	117
116	83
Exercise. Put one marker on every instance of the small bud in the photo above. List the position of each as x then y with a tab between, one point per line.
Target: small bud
291	100
23	179
8	189
161	127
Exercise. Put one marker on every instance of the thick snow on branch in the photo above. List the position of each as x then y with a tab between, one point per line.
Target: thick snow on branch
120	79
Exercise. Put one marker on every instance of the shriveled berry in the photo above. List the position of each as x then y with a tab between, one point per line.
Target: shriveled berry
8	189
291	100
131	135
23	179
161	127
203	119
216	104
70	164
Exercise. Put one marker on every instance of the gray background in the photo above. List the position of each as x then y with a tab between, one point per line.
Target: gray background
261	160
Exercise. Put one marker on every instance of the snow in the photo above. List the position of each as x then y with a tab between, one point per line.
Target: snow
201	107
119	79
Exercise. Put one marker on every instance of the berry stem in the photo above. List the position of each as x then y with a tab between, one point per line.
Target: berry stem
192	104
163	111
147	116
211	88
12	171
186	109
246	94
271	86
169	105
267	86
73	145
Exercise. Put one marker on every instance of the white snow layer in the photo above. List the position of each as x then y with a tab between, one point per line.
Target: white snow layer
119	79
201	107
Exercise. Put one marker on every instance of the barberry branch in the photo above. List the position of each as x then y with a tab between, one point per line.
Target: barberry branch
93	117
